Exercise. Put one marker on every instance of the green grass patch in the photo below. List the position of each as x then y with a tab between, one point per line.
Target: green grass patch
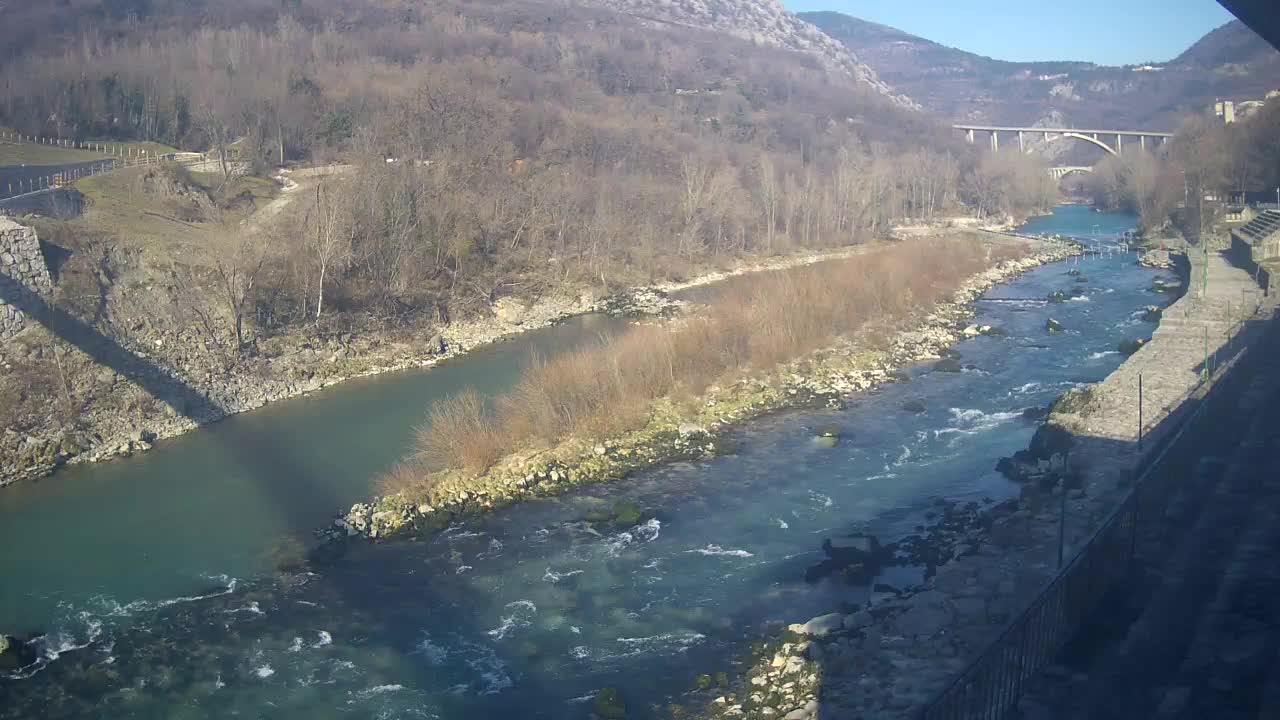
119	205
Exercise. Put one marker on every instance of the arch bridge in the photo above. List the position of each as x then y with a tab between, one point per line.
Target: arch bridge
1057	173
1101	138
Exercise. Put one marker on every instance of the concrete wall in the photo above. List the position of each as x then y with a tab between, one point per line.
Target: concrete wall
22	271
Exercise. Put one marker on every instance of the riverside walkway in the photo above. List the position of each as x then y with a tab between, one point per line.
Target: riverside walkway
1194	633
1206	326
1220	331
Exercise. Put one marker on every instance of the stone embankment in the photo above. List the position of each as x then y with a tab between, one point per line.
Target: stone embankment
291	364
889	658
1193	638
824	378
22	272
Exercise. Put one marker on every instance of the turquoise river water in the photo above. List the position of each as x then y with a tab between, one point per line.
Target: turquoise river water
151	584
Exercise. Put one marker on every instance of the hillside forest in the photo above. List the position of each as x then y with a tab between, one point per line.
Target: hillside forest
501	147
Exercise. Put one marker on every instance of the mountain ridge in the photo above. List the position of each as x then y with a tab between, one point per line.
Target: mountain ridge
1229	62
765	22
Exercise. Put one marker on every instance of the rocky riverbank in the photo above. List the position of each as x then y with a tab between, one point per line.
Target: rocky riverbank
689	430
110	415
896	653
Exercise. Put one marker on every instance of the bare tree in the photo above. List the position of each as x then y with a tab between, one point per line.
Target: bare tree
769	192
236	259
329	234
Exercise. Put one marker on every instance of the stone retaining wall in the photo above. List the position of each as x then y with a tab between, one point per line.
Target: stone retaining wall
22	271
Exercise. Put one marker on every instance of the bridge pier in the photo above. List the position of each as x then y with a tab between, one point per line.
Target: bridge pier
1022	147
1119	144
1142	141
995	141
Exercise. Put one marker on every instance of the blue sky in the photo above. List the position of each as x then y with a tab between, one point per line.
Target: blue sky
1107	32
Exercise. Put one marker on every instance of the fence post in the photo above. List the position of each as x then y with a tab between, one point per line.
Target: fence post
1204	368
1062	521
1140	428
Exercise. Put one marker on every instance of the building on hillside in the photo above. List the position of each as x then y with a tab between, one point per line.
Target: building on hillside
1225	110
1256	246
1249	108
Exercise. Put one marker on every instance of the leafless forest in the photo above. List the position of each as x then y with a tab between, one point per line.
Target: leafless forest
500	148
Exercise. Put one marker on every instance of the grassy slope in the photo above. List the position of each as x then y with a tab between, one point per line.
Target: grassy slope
118	207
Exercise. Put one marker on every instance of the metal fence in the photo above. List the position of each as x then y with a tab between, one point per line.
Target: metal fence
991	685
124	151
120	156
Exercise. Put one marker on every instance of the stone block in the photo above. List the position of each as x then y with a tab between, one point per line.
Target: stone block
24	269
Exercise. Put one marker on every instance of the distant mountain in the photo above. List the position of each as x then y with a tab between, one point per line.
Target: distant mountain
1231	44
1231	62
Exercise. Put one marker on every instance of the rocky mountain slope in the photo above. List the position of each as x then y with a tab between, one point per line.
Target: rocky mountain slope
765	22
1231	62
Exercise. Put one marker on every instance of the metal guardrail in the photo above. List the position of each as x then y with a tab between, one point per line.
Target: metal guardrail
27	187
991	685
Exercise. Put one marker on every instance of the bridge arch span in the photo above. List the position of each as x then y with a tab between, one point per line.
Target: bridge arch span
1089	139
1057	173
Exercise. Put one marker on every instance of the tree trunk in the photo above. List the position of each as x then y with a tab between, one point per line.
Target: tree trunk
320	292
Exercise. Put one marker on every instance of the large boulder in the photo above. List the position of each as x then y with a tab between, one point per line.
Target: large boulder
859	558
820	626
828	436
510	311
1035	414
913	406
15	654
950	365
1129	347
1052	325
437	344
608	705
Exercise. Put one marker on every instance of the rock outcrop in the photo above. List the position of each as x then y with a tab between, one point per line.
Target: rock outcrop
765	22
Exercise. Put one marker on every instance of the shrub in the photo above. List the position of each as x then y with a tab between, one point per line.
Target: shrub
757	324
460	432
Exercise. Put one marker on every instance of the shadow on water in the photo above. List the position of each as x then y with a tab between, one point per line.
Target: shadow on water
379	597
166	388
184	650
190	630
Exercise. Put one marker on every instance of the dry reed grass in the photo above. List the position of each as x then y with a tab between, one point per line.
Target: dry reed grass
755	325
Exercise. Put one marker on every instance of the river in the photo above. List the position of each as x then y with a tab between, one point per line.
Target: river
152	578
